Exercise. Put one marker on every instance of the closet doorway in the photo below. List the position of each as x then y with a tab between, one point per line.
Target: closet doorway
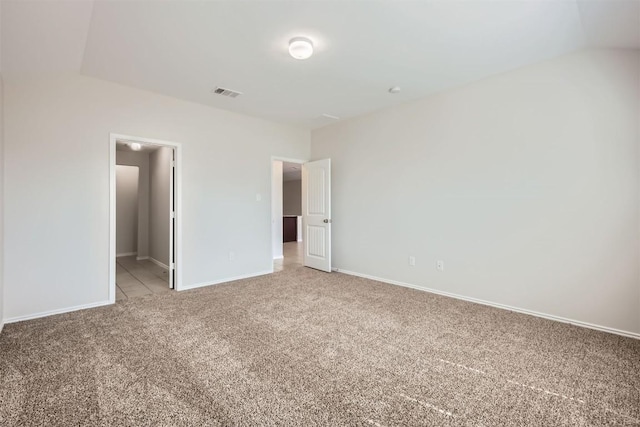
145	217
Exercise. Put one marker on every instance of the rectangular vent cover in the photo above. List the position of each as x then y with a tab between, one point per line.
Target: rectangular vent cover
226	92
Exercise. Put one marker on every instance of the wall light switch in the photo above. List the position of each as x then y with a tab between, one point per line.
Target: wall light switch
232	256
258	197
440	265
412	260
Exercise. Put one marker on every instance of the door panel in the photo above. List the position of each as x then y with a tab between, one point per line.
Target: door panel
316	214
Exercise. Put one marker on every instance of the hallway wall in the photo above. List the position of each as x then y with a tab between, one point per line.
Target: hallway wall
141	160
159	203
126	210
292	197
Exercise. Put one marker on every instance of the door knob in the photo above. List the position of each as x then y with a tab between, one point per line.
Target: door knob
327	221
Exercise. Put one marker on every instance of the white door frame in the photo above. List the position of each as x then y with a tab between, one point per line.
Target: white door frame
282	159
177	194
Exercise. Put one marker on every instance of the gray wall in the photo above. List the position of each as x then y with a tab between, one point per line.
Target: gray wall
292	197
221	212
525	184
159	203
141	160
126	209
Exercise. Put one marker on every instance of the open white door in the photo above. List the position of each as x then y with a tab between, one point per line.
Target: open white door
316	214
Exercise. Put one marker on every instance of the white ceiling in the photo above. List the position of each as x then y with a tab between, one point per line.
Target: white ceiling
291	171
144	148
186	48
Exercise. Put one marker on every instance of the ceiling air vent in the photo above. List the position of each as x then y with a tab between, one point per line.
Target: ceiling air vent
226	92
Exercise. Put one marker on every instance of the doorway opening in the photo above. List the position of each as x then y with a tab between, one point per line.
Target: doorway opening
145	226
287	214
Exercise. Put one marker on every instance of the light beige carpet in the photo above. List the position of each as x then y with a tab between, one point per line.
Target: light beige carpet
301	347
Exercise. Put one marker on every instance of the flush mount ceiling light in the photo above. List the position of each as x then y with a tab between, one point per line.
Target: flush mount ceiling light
300	47
330	116
135	146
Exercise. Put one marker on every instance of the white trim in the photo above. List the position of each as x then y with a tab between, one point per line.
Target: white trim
229	279
126	254
177	147
172	222
112	218
142	258
279	257
58	311
156	262
497	305
1	326
288	160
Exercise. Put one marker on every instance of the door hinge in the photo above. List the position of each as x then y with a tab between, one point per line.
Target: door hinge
173	215
173	266
173	163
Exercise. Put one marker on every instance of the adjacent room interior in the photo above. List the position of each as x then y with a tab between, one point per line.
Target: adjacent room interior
144	202
289	255
341	213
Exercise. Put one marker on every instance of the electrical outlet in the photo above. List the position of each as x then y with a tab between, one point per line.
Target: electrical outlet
440	265
412	260
232	256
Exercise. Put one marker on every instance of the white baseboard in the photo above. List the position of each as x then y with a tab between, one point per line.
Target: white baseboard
142	258
497	305
229	279
58	311
156	262
279	257
1	325
126	254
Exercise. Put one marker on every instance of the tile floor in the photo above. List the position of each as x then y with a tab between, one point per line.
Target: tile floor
137	278
292	257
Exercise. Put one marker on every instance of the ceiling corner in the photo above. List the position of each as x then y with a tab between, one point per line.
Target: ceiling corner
86	35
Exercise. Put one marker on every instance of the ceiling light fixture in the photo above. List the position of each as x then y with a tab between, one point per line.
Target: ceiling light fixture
135	146
395	89
300	47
